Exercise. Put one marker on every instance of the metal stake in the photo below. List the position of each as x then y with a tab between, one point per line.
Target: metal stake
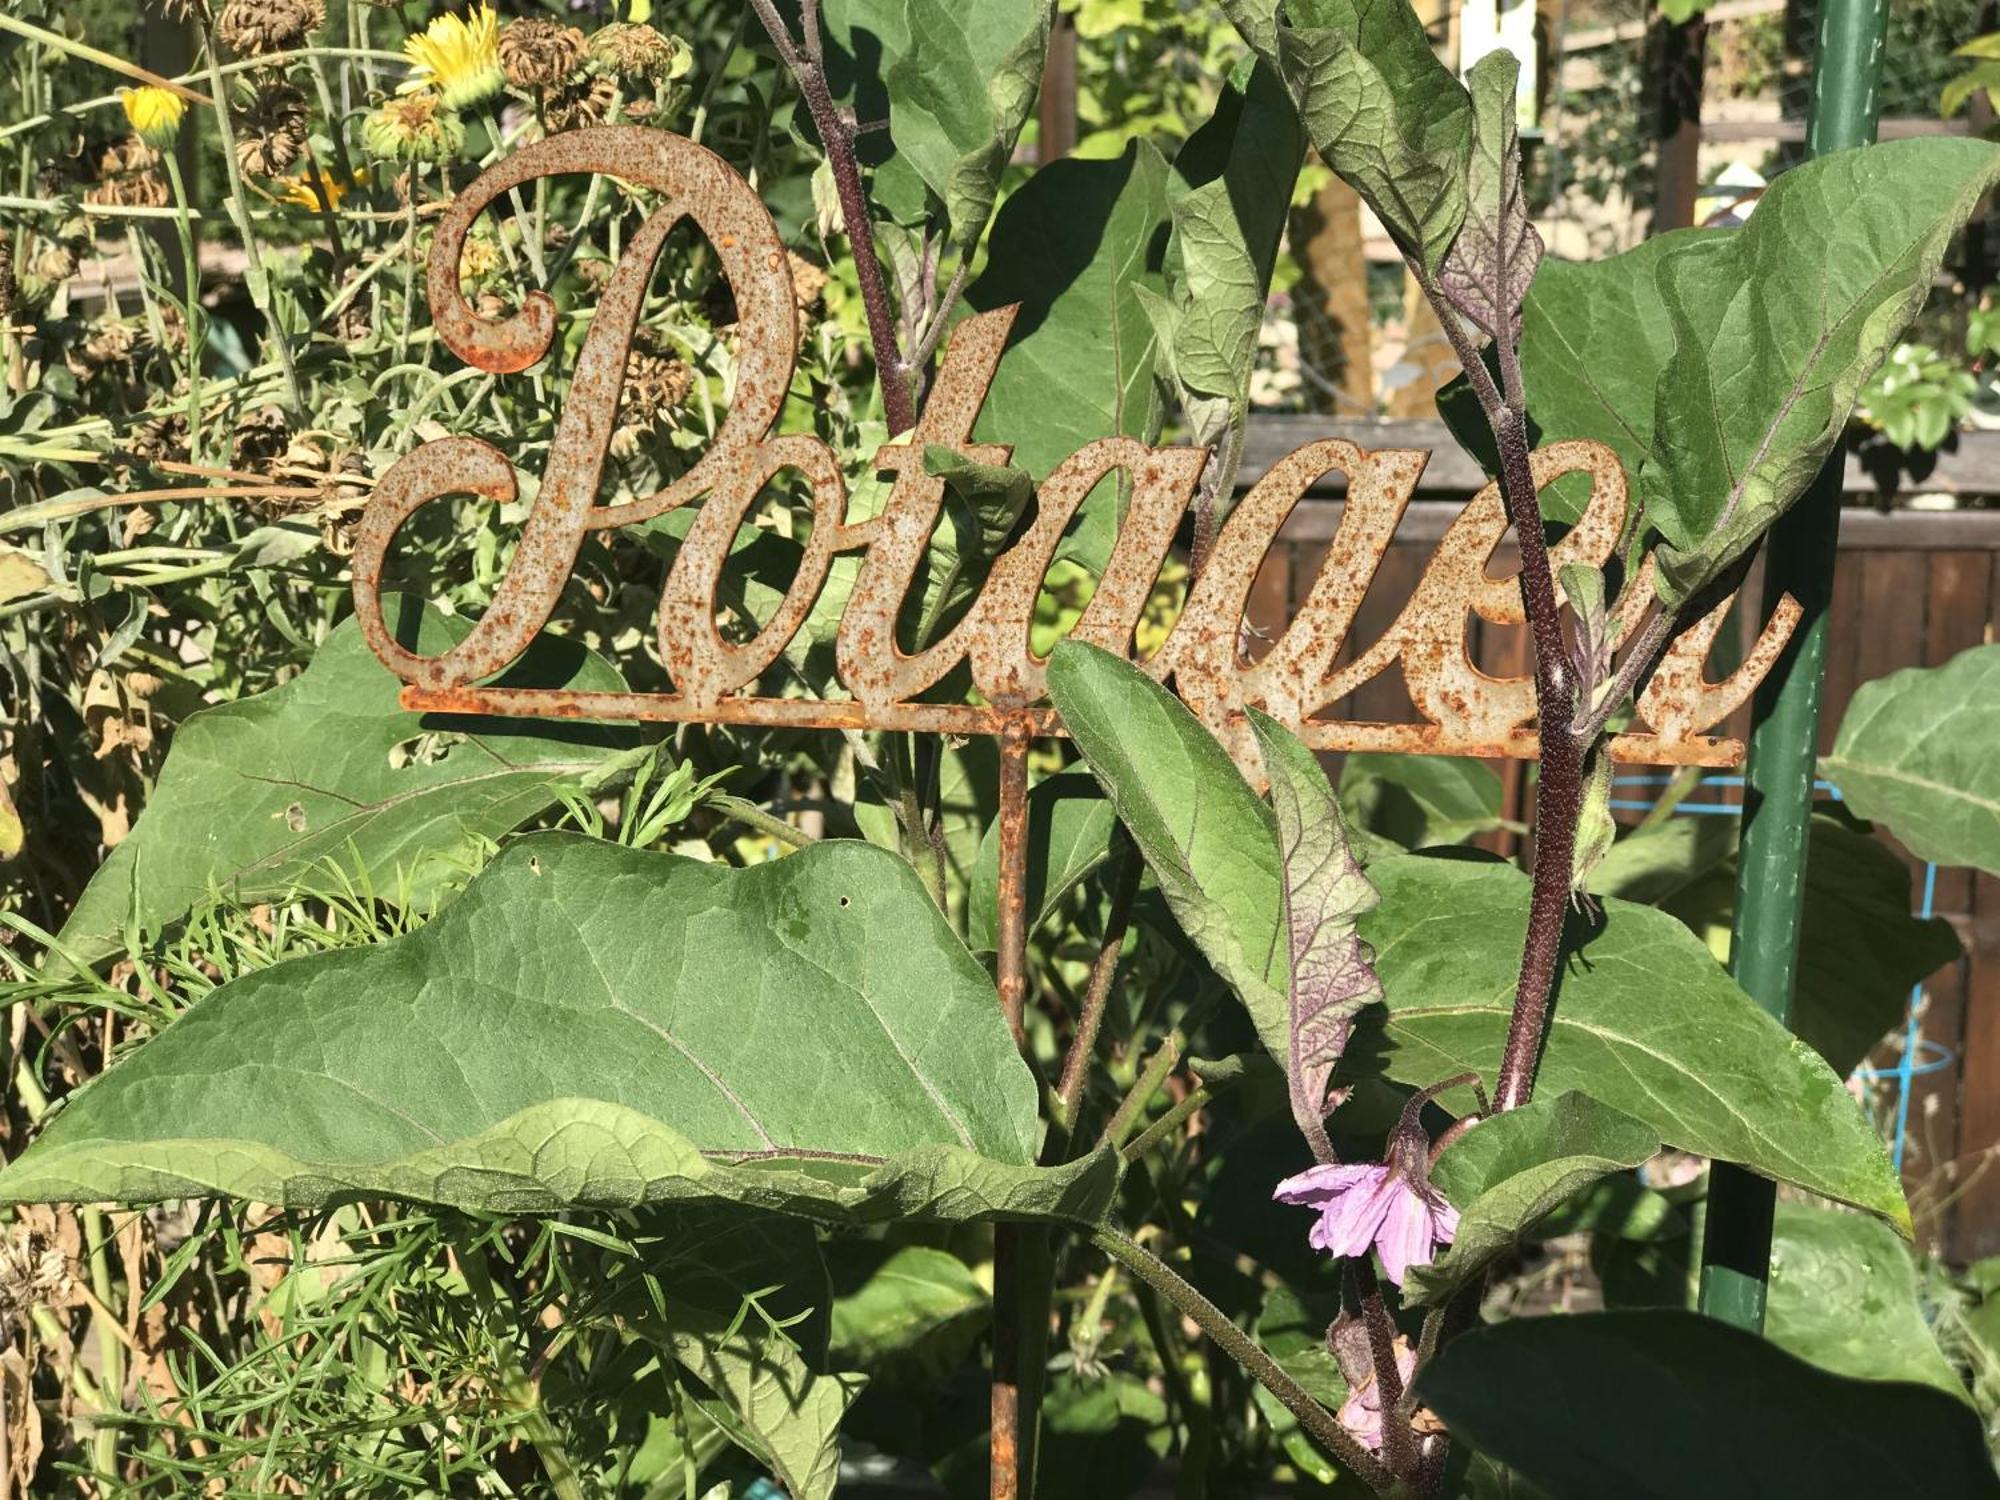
1778	777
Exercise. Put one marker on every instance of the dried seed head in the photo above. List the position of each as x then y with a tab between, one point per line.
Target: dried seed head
262	434
413	128
581	102
808	280
33	1273
125	174
656	384
109	343
538	54
271	129
635	51
162	437
252	28
8	293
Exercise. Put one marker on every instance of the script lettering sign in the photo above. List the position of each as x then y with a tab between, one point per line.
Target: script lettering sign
1464	710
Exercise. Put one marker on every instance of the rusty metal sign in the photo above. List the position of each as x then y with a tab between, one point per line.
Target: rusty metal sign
1465	711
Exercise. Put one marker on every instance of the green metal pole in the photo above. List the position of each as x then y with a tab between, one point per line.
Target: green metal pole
1778	778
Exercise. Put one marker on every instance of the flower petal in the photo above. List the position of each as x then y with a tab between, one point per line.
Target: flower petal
1444	1221
1405	1237
1316	1185
1349	1224
1361	1415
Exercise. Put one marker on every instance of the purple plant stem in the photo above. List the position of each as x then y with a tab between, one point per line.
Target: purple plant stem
1399	1441
1559	791
837	136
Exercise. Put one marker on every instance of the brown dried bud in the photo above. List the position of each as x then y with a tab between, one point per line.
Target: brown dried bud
634	50
52	262
251	28
109	343
262	434
808	280
580	103
125	174
271	130
162	437
655	386
539	54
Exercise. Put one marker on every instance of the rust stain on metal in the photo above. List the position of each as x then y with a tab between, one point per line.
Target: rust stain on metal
1011	919
1465	710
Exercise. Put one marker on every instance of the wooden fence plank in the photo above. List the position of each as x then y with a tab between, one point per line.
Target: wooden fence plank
1971	466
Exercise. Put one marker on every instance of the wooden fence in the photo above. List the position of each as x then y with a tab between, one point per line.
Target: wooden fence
1913	587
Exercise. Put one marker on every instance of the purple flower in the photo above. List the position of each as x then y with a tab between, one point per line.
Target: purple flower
1386	1205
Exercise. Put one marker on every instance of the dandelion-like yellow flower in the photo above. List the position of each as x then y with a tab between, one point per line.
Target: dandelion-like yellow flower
299	191
155	114
459	56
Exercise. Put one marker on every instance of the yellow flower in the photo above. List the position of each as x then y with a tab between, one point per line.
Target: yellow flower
155	114
459	56
300	193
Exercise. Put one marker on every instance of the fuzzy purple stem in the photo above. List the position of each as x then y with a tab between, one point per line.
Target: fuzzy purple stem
1559	791
837	136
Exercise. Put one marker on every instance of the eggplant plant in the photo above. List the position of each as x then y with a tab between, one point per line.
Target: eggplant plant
540	1107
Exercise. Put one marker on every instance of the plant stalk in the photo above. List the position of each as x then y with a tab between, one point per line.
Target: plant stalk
1239	1346
837	136
1103	971
1559	790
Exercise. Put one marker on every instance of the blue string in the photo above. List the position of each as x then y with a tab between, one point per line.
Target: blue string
1921	1056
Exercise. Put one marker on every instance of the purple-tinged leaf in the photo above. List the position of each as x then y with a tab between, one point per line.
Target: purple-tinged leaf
1325	894
1490	265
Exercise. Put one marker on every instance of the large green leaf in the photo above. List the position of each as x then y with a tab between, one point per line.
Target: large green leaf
1672	1404
1379	107
895	1302
591	1026
1645	1020
1919	750
1844	1297
1211	842
743	1308
1070	831
1843	1294
1722	364
956	81
1419	800
1777	327
1507	1173
1074	246
1860	949
261	794
1325	895
1230	191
